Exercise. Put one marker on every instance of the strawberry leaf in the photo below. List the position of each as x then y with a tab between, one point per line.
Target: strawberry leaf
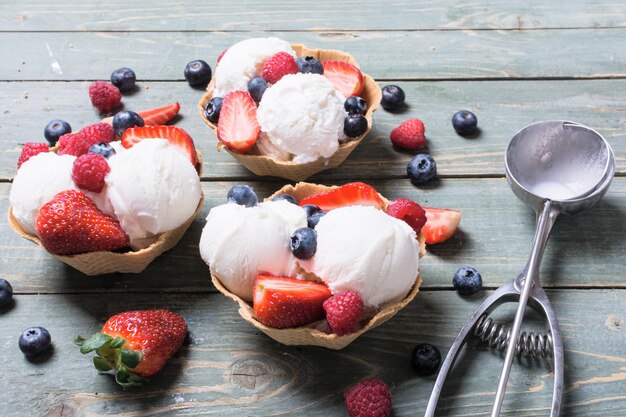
101	364
96	341
118	342
130	358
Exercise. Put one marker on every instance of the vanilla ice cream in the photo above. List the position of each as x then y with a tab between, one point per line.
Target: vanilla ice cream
303	114
152	188
365	250
240	242
36	182
243	61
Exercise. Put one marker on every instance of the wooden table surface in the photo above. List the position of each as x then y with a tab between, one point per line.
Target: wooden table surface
511	64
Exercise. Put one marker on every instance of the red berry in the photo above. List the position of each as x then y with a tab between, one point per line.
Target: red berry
31	149
78	143
343	312
409	211
277	66
219	58
409	135
104	96
369	398
89	171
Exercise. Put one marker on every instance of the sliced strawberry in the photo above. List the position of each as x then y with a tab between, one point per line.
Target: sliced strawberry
346	78
238	127
440	224
174	135
281	302
219	58
160	115
351	194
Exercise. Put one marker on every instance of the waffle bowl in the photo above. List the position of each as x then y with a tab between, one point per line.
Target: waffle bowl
267	166
308	335
105	262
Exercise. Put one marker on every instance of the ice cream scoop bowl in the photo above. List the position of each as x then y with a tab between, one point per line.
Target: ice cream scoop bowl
554	167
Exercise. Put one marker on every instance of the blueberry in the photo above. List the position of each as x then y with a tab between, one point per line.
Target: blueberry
303	243
256	88
6	292
103	149
213	108
243	195
467	280
355	105
314	219
55	129
354	126
309	65
125	120
286	197
464	122
421	168
124	79
34	340
393	97
311	209
198	73
425	359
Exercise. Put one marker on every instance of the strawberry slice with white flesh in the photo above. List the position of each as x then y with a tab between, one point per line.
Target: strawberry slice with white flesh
238	127
175	135
351	194
440	224
346	78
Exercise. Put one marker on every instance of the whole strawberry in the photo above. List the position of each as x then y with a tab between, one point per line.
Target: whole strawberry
71	223
277	66
369	398
135	344
343	312
31	149
409	135
78	143
104	96
89	171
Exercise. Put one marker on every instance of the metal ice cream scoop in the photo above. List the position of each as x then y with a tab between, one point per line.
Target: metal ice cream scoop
554	167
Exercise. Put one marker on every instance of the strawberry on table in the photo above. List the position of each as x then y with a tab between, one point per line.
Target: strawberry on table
440	224
346	78
136	344
160	115
71	223
351	194
281	302
238	127
175	135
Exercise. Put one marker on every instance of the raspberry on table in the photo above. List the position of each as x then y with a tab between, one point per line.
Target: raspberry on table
104	96
89	171
369	398
31	149
409	135
343	312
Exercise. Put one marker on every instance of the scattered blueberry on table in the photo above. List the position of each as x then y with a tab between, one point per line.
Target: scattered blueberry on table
124	79
55	129
6	292
467	280
464	122
243	195
34	341
198	73
393	97
421	169
425	359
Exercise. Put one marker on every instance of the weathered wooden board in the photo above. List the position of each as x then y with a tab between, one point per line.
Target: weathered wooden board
306	15
495	237
229	369
502	107
384	55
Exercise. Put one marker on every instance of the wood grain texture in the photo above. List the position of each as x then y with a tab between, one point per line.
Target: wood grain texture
502	107
305	15
495	237
230	370
399	55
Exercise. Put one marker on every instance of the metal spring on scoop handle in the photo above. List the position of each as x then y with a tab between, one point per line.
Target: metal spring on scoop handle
497	335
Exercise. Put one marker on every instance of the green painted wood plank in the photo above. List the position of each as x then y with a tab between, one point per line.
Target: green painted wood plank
495	237
301	15
400	55
229	369
503	107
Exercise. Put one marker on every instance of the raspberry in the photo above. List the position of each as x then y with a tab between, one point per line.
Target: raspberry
78	143
369	398
409	135
104	96
343	312
89	171
409	211
29	150
277	66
